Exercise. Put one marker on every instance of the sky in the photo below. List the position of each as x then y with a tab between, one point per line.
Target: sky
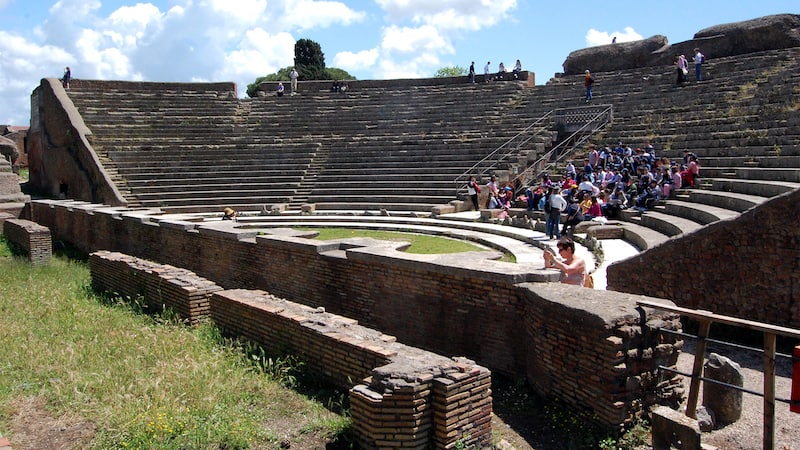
240	40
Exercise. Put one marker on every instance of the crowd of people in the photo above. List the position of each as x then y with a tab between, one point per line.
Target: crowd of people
610	180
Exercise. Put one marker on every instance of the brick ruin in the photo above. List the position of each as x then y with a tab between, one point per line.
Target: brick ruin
765	266
30	239
403	397
594	349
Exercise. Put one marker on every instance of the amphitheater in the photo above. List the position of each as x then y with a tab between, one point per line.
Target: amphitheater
134	171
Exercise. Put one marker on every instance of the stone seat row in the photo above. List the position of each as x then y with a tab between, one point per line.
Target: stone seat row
272	154
354	161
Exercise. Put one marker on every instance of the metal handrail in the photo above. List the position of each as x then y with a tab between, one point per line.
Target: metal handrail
464	177
770	333
598	121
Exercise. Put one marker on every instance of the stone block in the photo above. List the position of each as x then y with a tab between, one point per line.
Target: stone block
442	209
671	428
725	402
606	232
460	205
277	209
308	208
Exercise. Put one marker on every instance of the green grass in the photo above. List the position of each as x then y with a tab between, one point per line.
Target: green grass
142	381
425	244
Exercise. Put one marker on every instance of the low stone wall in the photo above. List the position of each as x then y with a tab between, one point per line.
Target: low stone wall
570	343
160	286
265	88
29	238
409	398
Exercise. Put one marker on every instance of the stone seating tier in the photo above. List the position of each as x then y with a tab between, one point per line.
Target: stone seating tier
396	134
742	122
382	137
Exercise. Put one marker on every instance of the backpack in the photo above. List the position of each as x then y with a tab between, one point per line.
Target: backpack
547	206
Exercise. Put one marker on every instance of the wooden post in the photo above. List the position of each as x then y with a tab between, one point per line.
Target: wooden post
769	391
697	370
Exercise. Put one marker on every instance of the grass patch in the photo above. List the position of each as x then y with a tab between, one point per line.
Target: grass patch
140	381
420	243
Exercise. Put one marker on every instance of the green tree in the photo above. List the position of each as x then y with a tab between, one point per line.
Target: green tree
310	64
454	71
331	73
309	60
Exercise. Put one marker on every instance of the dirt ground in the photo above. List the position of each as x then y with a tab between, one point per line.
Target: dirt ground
523	433
747	432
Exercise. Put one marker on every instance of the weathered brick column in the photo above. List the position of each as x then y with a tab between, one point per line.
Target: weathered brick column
30	238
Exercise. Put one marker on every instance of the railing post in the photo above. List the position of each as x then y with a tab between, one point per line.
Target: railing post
697	370
769	391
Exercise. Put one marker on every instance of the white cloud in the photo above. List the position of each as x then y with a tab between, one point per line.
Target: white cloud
23	64
134	18
356	61
419	32
257	55
413	40
309	14
449	14
101	62
595	37
240	11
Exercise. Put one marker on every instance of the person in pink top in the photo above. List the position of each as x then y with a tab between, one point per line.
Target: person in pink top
677	180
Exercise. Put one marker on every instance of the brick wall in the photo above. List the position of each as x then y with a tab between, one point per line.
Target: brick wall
29	238
160	286
573	344
747	267
396	405
599	353
410	398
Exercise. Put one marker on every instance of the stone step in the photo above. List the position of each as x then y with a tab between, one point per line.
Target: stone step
733	201
696	212
366	197
753	173
764	188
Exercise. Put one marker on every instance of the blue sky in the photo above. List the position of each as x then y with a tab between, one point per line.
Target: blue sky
239	40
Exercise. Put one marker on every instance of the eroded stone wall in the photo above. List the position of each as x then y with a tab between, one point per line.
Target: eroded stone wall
747	267
571	343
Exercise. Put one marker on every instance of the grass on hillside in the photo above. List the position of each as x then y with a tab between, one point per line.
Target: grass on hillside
424	244
141	381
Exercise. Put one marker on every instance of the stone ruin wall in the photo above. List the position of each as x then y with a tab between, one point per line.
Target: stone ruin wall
403	397
59	144
60	151
29	238
750	36
748	266
594	349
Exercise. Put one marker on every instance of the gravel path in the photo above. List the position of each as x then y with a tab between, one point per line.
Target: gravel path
746	433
